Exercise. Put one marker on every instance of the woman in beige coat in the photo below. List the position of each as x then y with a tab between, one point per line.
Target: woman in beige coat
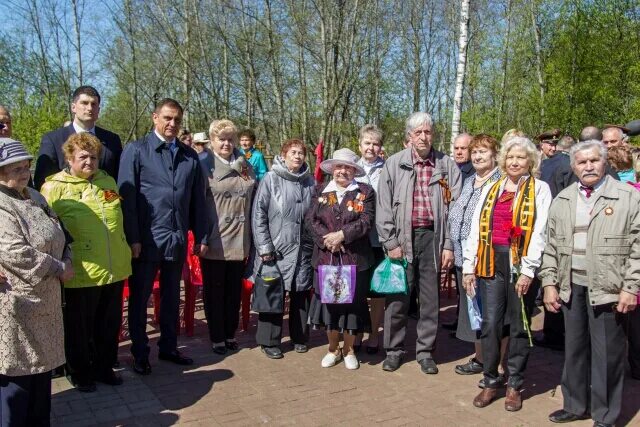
231	186
34	259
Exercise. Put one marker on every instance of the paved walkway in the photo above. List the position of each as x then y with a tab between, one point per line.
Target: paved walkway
246	388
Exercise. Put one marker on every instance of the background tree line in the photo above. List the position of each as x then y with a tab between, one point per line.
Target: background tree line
320	69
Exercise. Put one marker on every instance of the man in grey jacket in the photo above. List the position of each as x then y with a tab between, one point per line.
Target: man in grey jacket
591	271
414	192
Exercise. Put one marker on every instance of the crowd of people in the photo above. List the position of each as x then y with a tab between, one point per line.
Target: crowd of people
513	221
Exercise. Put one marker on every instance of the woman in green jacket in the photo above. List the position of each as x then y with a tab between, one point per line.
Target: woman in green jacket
87	202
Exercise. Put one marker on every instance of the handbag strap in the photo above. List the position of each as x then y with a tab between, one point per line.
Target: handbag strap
339	258
275	261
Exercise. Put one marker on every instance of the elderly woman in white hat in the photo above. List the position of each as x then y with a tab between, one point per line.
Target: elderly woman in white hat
341	215
201	145
34	258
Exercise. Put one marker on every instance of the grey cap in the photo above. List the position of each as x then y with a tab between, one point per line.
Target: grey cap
12	151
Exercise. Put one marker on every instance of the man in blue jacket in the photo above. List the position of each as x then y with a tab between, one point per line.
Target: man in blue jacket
252	154
162	187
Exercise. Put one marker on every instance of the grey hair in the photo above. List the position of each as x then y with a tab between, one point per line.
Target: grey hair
416	120
623	136
371	130
519	142
462	135
587	145
566	142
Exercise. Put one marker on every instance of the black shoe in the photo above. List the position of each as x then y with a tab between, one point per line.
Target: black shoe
470	368
220	349
142	366
372	350
450	326
545	343
175	357
428	366
391	363
110	378
561	416
272	352
300	348
231	345
83	385
116	364
89	387
600	424
501	381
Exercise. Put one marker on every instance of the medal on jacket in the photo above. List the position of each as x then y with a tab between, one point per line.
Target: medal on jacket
446	191
608	211
247	154
110	195
357	204
328	199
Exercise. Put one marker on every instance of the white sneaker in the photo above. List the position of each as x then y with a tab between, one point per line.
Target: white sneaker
351	361
330	359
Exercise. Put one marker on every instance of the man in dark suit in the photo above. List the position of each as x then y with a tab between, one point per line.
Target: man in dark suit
548	145
85	107
163	188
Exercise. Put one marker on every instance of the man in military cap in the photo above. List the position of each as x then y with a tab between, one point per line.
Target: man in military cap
548	141
614	136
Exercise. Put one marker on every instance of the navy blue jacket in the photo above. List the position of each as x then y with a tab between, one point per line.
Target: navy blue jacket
162	195
466	170
51	158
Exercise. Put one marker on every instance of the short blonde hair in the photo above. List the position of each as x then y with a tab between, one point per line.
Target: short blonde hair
519	142
222	126
81	141
511	133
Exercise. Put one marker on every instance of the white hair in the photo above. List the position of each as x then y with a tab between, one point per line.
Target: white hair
589	144
416	120
525	144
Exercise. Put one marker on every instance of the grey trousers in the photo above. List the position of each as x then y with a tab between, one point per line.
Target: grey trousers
593	372
422	272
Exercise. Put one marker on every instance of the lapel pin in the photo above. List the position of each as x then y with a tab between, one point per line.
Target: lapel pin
608	211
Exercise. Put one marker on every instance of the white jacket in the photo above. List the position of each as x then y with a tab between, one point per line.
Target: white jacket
529	263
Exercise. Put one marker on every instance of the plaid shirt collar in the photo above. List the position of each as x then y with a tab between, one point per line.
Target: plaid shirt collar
429	161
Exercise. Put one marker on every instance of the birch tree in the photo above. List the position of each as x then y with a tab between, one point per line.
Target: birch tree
460	73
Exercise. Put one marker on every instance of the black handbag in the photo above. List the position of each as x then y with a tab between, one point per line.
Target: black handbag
268	293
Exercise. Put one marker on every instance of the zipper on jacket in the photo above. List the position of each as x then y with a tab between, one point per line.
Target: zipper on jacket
106	229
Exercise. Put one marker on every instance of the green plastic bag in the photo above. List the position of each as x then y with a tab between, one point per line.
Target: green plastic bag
390	277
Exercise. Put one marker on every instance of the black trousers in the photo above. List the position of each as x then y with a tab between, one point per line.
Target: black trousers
92	319
140	288
553	327
422	273
25	401
501	305
632	328
593	372
222	288
269	331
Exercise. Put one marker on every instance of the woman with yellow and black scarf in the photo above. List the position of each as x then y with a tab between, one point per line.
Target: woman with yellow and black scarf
501	255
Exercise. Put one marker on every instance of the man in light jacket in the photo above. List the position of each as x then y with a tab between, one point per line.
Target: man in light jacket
414	192
591	271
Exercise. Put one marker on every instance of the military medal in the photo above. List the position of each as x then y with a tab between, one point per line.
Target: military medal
110	195
608	211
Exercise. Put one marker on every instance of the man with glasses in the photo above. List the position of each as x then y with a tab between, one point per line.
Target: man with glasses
414	192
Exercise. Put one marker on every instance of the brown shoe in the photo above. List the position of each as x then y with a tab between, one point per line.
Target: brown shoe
486	396
513	400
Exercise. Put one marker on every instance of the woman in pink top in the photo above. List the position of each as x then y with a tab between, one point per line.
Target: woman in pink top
503	251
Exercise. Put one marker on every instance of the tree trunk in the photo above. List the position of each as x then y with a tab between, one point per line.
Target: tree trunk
535	28
460	73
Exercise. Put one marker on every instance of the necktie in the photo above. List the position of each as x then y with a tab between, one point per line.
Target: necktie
173	147
587	190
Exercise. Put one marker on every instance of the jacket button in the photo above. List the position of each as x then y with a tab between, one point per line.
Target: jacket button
298	201
175	188
170	168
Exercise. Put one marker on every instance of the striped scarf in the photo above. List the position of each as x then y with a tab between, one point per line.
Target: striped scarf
524	212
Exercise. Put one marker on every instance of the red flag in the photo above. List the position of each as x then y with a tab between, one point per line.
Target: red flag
317	173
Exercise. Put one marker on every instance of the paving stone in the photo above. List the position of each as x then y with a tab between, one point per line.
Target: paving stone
246	388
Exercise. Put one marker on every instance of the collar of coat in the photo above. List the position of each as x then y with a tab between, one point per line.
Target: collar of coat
439	170
159	144
608	190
